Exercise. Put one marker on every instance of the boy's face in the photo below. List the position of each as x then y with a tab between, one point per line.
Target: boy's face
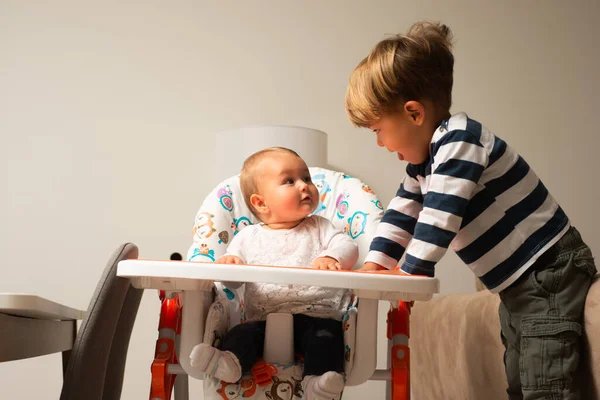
400	133
286	188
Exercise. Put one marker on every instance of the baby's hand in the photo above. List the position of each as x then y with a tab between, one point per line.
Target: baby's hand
229	260
326	263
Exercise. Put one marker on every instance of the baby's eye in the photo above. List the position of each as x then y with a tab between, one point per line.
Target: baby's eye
289	182
307	179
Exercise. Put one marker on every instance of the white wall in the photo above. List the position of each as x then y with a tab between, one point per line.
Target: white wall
108	113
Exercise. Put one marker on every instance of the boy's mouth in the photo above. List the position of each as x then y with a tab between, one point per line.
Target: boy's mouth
306	198
400	157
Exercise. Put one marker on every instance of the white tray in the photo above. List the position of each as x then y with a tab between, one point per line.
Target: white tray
182	275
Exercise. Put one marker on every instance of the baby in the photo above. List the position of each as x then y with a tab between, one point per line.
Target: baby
277	187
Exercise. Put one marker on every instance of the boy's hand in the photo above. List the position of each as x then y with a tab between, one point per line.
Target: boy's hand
229	260
326	263
399	271
371	266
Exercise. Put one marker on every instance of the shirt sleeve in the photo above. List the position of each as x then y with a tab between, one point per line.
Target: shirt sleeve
236	248
397	225
337	244
238	244
459	159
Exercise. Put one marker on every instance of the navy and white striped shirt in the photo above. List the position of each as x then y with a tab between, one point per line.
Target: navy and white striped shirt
478	196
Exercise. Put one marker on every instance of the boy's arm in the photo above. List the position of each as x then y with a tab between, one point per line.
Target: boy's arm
396	228
338	245
459	159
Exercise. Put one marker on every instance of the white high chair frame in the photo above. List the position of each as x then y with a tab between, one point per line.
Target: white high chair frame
194	283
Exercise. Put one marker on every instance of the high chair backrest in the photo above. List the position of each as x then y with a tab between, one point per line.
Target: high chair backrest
346	201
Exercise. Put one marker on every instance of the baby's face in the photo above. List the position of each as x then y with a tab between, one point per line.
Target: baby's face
285	183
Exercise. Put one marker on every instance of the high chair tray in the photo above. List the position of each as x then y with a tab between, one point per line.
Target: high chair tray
182	275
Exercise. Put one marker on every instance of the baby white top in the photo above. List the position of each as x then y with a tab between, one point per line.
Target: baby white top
297	247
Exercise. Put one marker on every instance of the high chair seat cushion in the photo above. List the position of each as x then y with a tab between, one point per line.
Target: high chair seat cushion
346	201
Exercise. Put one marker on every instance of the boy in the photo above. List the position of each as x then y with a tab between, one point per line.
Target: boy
465	188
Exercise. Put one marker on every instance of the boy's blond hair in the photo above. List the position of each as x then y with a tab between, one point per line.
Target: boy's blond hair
248	177
416	66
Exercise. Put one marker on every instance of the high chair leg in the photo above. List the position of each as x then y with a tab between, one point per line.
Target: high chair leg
182	391
398	334
169	327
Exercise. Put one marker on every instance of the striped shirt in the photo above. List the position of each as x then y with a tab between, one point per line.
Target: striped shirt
478	196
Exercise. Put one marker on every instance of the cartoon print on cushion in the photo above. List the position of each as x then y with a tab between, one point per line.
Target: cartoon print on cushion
204	226
230	295
345	321
341	205
353	302
377	204
239	224
347	353
218	306
223	237
367	189
344	176
230	391
284	389
323	188
203	252
225	197
356	224
242	311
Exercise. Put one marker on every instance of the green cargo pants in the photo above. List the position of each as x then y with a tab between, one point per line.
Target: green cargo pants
541	319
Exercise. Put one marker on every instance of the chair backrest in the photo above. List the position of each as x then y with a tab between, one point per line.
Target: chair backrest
346	201
97	362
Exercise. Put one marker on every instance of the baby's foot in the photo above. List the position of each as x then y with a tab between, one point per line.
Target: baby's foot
328	386
222	365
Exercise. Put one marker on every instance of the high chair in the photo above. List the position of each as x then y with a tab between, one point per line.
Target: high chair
198	307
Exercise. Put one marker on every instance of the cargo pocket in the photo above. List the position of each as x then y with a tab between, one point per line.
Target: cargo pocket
549	352
584	260
546	281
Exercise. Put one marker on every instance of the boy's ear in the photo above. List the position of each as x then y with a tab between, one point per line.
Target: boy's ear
415	111
258	202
